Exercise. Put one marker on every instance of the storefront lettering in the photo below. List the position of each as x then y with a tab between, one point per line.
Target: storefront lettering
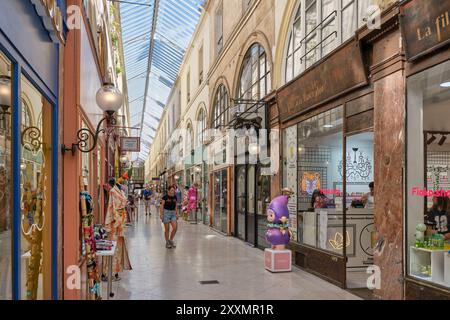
442	22
338	73
430	193
425	26
313	92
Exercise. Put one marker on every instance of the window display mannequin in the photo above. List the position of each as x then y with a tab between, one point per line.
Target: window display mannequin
115	223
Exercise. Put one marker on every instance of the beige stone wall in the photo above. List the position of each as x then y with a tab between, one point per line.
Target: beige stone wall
240	32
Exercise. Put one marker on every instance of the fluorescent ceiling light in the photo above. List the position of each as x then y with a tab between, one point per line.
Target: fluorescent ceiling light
445	84
328	126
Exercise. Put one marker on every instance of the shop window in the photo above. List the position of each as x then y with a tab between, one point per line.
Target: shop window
313	154
5	179
200	65
201	127
219	29
318	27
220	220
36	168
221	108
189	140
188	87
428	171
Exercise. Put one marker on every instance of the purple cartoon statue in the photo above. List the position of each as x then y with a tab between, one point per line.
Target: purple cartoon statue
278	233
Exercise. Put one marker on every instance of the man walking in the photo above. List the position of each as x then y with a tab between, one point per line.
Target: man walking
147	200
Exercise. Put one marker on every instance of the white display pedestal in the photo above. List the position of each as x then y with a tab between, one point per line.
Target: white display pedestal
439	260
278	260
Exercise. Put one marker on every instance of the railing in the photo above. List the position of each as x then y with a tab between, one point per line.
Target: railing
320	25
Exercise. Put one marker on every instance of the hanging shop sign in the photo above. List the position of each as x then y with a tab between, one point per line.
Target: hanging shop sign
338	74
51	17
130	144
425	26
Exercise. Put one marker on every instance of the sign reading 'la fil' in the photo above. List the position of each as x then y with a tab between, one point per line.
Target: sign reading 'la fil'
425	26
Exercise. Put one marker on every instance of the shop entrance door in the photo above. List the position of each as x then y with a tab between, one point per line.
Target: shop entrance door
241	202
359	210
250	225
263	200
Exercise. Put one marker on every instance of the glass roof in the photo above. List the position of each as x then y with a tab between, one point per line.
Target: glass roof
155	35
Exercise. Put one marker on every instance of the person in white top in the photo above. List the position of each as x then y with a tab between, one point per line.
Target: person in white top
369	198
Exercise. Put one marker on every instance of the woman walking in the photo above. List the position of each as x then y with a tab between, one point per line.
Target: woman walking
169	217
193	202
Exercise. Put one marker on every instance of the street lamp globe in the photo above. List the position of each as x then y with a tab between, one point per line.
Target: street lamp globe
123	159
5	92
109	98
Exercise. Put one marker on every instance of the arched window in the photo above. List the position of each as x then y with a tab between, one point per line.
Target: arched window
201	127
221	107
254	81
180	147
320	26
189	140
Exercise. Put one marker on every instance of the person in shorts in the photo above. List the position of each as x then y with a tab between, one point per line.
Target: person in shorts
169	216
147	194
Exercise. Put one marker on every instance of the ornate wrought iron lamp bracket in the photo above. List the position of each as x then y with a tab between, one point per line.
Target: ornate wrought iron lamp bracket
85	135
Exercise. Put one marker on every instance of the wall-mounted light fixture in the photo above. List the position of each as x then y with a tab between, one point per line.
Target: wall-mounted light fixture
123	159
110	100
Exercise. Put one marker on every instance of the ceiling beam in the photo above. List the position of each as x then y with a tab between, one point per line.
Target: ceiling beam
150	59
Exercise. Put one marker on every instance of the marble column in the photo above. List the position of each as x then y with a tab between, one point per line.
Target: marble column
389	165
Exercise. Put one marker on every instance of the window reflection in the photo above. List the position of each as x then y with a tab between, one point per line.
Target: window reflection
35	194
5	186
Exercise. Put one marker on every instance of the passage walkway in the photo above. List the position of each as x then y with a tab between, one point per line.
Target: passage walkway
204	255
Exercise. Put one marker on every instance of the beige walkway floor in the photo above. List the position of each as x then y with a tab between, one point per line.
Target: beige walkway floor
202	255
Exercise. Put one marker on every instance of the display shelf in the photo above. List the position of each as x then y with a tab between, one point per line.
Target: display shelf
438	260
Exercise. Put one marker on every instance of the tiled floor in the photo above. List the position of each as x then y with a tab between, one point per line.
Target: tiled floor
202	254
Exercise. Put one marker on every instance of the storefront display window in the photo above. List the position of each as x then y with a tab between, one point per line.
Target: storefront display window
5	180
36	168
428	186
319	157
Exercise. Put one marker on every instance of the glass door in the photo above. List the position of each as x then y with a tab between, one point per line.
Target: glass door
263	200
5	180
360	206
240	202
251	210
217	199
223	205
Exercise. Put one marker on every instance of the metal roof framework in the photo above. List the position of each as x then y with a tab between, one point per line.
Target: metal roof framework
156	34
